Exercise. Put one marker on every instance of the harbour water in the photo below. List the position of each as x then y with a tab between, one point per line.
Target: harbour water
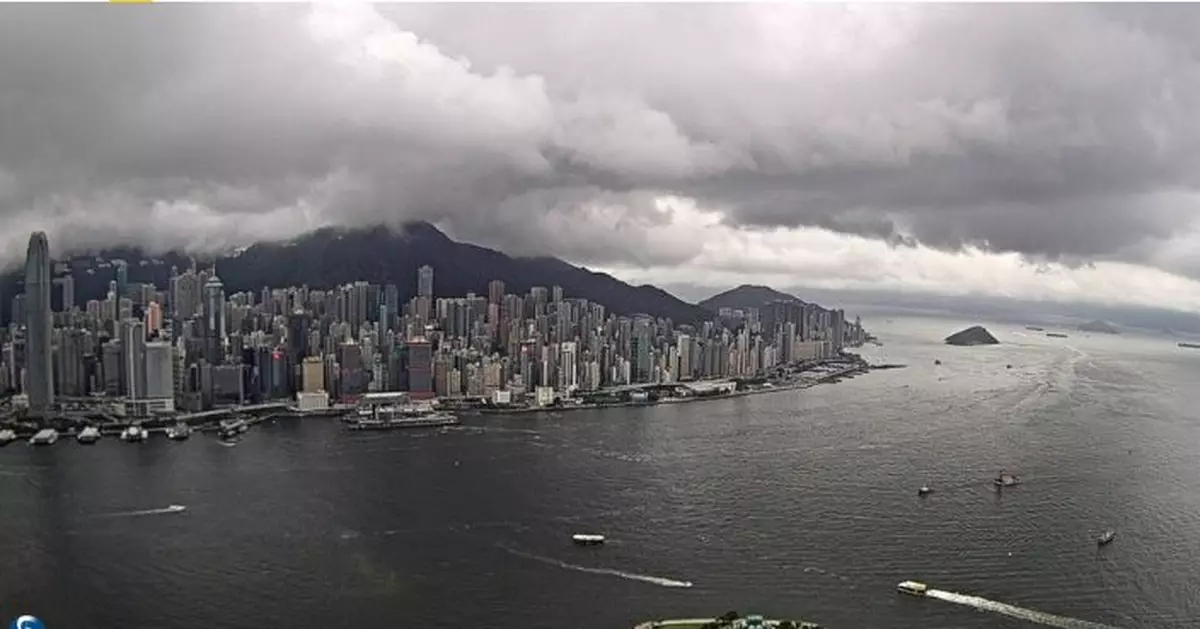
793	504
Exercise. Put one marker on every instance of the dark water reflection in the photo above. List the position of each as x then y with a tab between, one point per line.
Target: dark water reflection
795	503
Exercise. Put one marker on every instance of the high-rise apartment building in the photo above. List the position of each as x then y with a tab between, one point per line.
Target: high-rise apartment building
425	282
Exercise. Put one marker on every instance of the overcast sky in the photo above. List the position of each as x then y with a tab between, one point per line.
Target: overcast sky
1031	151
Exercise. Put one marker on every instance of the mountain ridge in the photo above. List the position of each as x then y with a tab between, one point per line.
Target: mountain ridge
746	296
332	256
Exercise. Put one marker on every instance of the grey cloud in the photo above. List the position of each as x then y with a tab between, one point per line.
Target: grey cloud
1062	133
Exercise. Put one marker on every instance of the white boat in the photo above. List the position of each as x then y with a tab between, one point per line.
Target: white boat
915	588
44	437
88	435
583	539
179	431
134	433
924	490
7	436
1106	538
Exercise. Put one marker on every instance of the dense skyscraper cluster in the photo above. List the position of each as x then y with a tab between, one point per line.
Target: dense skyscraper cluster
190	346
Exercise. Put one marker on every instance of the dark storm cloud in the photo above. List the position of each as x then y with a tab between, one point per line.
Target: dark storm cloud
1059	132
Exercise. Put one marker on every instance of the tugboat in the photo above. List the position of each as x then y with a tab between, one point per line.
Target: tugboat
1106	538
134	433
924	490
88	435
1006	480
179	431
7	436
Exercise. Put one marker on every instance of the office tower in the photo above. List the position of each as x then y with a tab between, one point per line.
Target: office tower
214	320
353	382
425	282
420	369
68	292
18	309
297	342
556	294
312	375
133	346
160	369
391	299
122	269
38	326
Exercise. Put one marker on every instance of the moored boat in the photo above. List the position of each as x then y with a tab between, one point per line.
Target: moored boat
134	433
7	436
44	437
88	435
179	431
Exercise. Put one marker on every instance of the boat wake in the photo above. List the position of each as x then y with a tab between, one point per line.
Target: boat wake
632	576
162	511
1050	620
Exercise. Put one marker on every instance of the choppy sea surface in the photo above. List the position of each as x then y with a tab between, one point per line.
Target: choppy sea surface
798	503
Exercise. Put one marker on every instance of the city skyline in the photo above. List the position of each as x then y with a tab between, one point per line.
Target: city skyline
190	346
865	148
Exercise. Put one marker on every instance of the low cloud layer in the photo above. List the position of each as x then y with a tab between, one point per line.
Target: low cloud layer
1058	135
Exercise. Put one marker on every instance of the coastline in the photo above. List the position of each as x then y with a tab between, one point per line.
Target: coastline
852	365
859	367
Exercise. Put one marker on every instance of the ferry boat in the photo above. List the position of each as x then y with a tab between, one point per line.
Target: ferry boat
179	431
1006	480
585	539
1106	538
44	437
7	436
134	433
728	621
231	428
424	421
915	588
88	435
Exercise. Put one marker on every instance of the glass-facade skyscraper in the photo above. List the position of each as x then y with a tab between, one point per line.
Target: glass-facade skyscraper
39	384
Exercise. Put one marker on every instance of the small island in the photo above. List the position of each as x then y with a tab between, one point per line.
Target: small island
974	335
1102	327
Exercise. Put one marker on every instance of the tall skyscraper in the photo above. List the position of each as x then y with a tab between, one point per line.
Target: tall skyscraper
38	325
425	282
214	320
420	369
160	371
122	270
133	345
